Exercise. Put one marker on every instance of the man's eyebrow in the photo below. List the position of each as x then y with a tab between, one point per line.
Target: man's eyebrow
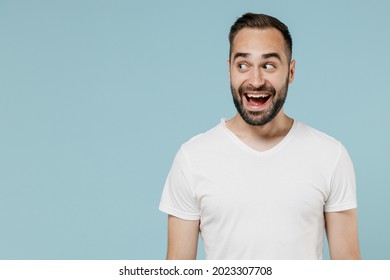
240	54
263	56
269	55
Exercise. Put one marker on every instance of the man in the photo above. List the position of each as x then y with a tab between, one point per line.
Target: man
261	185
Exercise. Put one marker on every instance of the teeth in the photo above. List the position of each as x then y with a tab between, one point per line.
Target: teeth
262	95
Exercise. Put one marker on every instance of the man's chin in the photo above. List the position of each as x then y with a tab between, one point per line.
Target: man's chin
254	119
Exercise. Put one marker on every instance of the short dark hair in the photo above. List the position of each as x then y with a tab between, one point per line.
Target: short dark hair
260	21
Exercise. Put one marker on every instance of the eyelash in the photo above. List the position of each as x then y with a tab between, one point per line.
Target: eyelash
273	67
269	64
240	65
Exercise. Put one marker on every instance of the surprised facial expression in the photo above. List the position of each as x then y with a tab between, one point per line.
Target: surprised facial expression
260	72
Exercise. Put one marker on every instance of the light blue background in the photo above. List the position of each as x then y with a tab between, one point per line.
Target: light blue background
97	96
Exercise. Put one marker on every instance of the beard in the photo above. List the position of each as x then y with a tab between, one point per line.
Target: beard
257	118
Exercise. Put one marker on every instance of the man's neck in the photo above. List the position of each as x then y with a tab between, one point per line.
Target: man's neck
262	137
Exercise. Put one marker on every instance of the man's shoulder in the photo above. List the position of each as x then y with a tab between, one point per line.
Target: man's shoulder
312	137
207	139
316	134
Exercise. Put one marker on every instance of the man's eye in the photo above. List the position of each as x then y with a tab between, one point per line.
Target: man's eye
242	66
269	66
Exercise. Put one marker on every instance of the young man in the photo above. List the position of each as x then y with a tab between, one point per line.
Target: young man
261	185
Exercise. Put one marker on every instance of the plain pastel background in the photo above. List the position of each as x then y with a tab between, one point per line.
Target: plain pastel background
97	96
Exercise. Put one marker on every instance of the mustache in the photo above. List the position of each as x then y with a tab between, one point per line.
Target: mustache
262	88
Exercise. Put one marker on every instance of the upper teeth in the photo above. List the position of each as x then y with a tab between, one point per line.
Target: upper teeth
263	95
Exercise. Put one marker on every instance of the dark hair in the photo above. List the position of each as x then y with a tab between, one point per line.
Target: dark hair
260	21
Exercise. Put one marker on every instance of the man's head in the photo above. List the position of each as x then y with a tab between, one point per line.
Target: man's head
260	21
260	67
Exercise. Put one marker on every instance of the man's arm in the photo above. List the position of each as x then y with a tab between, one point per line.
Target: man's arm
182	239
342	233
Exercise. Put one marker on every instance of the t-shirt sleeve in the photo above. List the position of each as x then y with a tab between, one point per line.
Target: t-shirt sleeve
178	198
342	194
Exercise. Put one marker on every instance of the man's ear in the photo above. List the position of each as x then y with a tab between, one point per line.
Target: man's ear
291	74
228	63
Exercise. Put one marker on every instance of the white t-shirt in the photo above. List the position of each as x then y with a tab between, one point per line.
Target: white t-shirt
260	205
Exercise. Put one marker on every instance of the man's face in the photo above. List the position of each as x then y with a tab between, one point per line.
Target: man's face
260	71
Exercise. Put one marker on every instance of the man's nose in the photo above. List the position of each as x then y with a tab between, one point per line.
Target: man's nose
256	79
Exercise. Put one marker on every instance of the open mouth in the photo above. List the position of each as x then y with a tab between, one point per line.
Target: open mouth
257	99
